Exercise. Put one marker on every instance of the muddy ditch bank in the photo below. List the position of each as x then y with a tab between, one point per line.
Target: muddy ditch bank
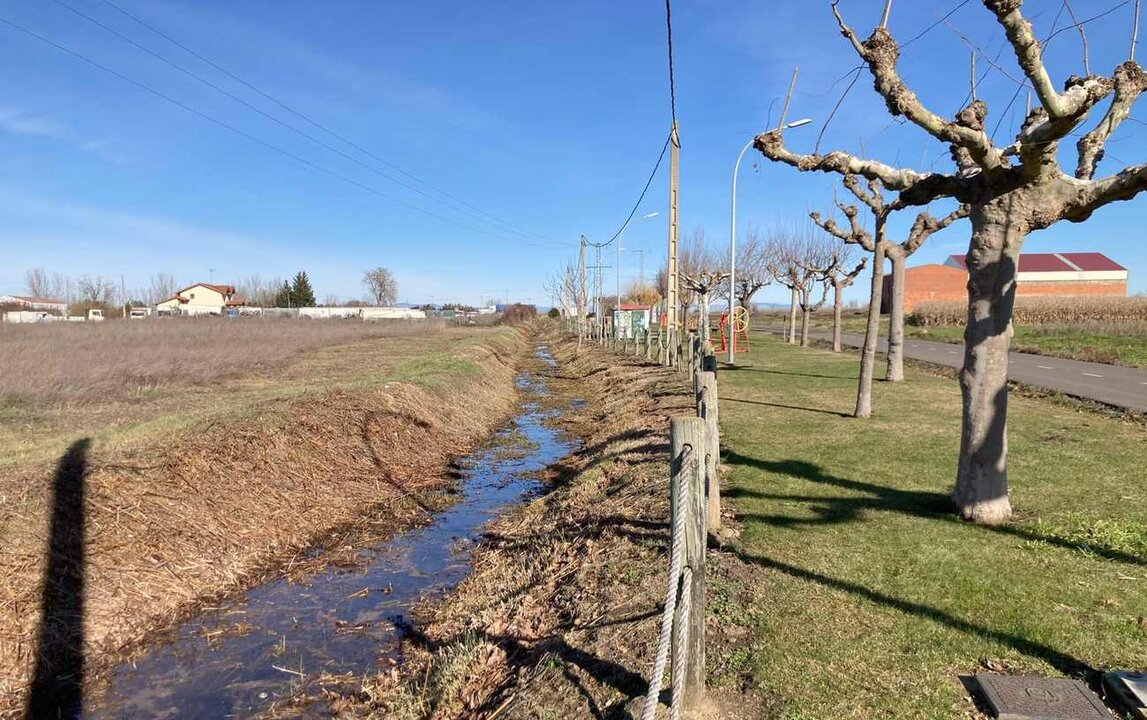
136	544
559	617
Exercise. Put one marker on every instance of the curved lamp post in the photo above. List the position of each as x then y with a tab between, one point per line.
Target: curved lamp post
733	237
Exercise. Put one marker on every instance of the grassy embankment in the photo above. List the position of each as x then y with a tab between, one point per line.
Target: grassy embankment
204	453
1114	340
854	592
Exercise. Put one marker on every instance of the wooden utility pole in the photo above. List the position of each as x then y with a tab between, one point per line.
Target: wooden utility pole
671	279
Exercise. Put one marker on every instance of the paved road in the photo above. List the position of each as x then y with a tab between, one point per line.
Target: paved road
1119	386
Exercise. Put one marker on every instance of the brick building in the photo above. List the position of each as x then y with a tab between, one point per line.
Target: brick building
1060	274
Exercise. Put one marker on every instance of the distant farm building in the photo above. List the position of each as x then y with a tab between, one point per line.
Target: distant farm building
24	302
1057	274
201	299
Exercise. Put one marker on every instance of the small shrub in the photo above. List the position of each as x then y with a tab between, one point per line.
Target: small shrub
554	313
518	313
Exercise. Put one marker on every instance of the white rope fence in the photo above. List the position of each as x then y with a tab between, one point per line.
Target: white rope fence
676	559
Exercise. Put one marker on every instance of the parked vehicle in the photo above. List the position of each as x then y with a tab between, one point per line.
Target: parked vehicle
96	315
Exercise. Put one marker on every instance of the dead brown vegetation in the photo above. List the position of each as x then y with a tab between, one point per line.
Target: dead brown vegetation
1042	311
560	616
171	525
68	364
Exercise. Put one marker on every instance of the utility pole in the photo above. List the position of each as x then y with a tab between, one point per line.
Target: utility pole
671	279
123	295
581	297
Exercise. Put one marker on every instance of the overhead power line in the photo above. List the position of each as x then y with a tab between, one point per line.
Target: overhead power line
640	197
318	124
199	78
270	146
672	83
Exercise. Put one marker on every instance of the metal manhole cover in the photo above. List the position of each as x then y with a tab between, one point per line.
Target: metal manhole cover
1033	698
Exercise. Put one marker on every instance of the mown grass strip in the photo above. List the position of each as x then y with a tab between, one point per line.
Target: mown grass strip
860	593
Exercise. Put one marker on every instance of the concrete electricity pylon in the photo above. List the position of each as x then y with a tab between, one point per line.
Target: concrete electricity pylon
671	296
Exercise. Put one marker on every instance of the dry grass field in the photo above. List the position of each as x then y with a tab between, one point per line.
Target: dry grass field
59	364
230	464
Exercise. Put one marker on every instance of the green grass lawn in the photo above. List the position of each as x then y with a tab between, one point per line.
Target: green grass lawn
862	596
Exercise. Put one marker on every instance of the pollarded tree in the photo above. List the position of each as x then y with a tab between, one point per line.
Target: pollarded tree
878	244
1012	191
839	278
800	263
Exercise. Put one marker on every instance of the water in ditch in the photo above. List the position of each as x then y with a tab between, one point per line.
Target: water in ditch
236	660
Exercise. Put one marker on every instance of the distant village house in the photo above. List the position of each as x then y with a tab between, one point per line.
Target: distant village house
201	299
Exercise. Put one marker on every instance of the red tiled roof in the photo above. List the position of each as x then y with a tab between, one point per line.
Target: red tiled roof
1056	262
1092	261
221	289
633	306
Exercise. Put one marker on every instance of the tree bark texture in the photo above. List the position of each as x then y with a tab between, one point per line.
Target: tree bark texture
871	331
805	313
895	371
837	306
981	491
793	317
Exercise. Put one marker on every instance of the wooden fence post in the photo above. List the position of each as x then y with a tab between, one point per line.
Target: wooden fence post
708	409
687	445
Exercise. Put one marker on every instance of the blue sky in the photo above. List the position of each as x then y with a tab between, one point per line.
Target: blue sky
546	116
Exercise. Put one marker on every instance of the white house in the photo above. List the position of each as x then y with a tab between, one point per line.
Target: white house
201	299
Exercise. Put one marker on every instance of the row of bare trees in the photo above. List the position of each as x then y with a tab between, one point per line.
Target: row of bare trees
1006	192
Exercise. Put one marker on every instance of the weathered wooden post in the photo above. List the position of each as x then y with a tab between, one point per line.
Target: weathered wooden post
692	346
687	447
708	410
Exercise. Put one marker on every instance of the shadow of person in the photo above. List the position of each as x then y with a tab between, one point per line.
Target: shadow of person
57	682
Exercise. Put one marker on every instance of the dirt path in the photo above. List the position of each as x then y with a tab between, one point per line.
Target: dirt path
139	540
559	618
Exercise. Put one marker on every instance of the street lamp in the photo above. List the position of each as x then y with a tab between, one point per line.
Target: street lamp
733	237
617	264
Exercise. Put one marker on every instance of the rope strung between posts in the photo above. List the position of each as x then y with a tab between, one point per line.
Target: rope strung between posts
676	560
682	644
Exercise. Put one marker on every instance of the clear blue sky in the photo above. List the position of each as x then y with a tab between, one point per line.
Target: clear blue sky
547	116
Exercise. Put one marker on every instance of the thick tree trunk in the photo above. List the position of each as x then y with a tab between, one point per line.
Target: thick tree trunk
793	317
895	371
871	331
837	306
805	312
981	492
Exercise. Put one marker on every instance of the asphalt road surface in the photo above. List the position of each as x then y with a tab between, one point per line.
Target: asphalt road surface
1110	384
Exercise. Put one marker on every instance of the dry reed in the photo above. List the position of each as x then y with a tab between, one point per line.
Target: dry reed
1113	311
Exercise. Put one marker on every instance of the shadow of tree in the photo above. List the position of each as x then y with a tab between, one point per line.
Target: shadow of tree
1061	661
58	677
785	407
930	505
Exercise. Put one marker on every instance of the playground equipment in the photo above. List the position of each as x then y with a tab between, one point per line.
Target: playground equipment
740	330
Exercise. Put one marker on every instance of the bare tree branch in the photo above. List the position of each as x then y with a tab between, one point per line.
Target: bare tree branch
1088	197
1079	97
915	188
1082	36
1130	82
881	53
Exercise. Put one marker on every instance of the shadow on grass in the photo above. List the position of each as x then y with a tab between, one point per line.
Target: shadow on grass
58	677
1064	663
749	368
917	503
784	407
